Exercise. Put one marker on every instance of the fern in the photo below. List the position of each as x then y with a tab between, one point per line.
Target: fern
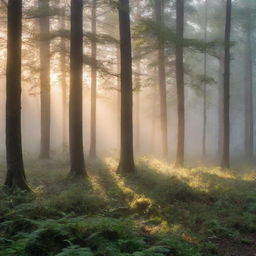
75	250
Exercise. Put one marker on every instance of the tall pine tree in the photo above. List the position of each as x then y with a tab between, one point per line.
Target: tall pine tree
180	83
76	91
15	169
126	164
226	91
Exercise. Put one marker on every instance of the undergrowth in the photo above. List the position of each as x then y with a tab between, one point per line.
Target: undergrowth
159	211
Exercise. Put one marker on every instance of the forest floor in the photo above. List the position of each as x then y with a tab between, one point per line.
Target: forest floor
159	211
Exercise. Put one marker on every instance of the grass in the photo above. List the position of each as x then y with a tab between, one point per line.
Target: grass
159	211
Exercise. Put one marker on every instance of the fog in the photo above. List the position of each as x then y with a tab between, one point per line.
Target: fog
147	121
108	119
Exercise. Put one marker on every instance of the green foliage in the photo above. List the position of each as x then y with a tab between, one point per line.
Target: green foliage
75	250
101	38
141	205
19	224
198	80
147	29
98	65
182	248
13	248
159	211
153	251
76	200
47	241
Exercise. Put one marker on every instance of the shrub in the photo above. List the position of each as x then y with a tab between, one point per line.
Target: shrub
141	205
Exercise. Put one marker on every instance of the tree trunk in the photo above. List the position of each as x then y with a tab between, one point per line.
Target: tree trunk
205	84
126	164
226	91
76	91
93	83
249	126
118	90
137	104
180	83
63	63
220	108
154	117
45	91
159	13
15	177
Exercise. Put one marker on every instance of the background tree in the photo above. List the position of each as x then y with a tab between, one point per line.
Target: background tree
226	98
249	112
180	83
205	82
137	7
159	15
220	105
137	81
63	74
45	90
93	80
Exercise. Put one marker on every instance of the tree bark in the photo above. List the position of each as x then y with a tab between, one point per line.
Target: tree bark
180	83
220	108
45	90
93	83
249	125
226	91
205	84
76	91
126	164
153	115
159	13
63	64
138	105
118	92
15	177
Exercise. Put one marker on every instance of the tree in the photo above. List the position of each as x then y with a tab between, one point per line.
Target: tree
159	15
15	168
63	63
226	90
220	105
93	81
180	82
45	90
137	85
137	81
76	98
205	84
126	164
118	93
249	124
